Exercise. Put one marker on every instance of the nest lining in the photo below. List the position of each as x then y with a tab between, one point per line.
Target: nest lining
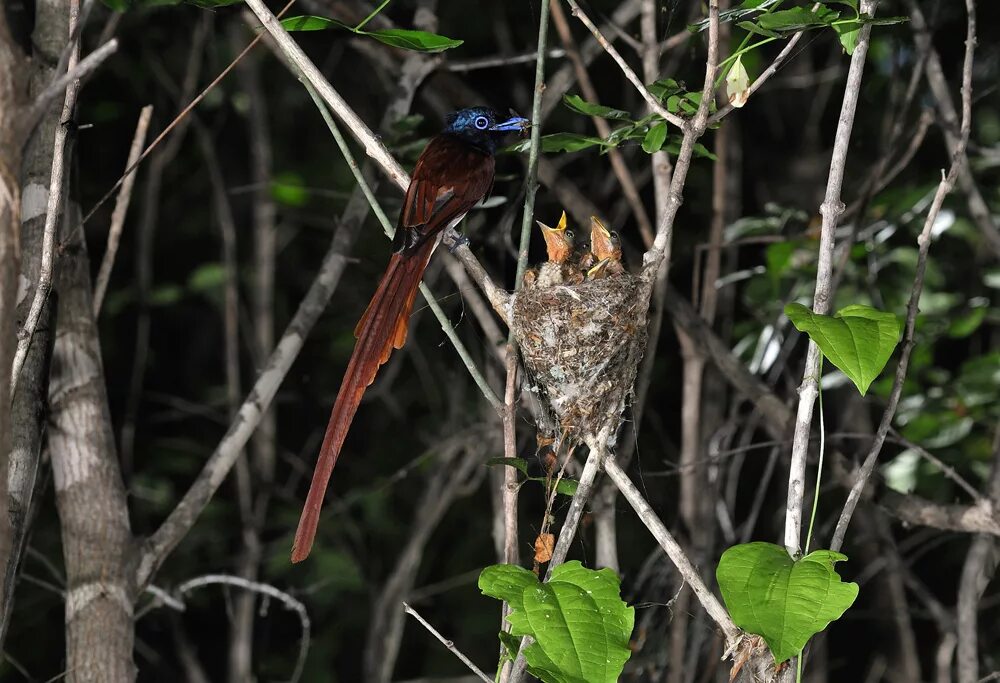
582	345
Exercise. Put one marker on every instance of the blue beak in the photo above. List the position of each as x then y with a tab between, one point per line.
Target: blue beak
514	123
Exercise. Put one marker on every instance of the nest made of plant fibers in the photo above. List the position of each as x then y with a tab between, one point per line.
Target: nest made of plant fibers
581	345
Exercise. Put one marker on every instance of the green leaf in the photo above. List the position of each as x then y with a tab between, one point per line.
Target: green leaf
786	602
579	623
623	133
287	188
507	582
578	104
967	323
117	5
858	339
744	9
751	27
418	41
567	487
655	138
407	39
883	21
848	35
560	142
665	87
796	19
779	258
308	22
164	295
517	463
510	643
207	277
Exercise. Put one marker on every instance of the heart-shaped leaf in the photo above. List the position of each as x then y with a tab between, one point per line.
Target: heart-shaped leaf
784	601
579	623
858	339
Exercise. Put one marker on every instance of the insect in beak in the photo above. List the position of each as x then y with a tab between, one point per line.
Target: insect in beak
514	123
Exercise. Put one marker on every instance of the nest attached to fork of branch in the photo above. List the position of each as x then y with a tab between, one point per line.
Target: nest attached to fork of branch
581	345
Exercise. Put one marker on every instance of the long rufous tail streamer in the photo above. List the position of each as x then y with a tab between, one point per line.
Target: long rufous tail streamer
381	329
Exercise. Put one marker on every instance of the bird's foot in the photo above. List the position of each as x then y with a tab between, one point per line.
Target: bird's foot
454	239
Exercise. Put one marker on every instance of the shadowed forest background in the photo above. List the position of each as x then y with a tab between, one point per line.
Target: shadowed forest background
229	220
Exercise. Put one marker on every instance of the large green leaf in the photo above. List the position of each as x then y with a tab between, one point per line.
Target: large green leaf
784	601
858	339
578	621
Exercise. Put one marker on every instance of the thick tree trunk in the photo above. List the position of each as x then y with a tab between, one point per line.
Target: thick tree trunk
97	542
90	497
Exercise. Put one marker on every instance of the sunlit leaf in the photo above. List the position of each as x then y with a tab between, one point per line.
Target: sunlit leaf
786	602
579	623
737	84
858	339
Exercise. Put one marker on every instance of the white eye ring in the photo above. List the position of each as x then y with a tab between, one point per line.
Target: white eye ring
482	122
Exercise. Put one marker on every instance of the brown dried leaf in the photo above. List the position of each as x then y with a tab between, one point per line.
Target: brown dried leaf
544	544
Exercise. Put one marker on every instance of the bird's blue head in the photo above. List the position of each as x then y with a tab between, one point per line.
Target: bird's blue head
483	127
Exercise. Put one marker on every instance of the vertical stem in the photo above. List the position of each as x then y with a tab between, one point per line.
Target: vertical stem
831	209
510	393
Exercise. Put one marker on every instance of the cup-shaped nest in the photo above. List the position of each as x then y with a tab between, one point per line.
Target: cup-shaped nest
582	345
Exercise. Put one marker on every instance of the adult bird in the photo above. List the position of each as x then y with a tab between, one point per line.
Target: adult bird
453	173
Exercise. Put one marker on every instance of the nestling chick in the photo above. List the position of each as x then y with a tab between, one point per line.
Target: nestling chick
606	248
559	247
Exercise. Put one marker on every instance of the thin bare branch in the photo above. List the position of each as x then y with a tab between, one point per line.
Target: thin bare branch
448	644
53	211
77	72
654	104
670	546
270	591
615	157
121	209
924	242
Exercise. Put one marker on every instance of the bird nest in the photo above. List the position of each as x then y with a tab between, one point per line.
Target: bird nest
581	345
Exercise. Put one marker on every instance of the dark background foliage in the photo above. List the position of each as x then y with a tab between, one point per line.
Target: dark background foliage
780	150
